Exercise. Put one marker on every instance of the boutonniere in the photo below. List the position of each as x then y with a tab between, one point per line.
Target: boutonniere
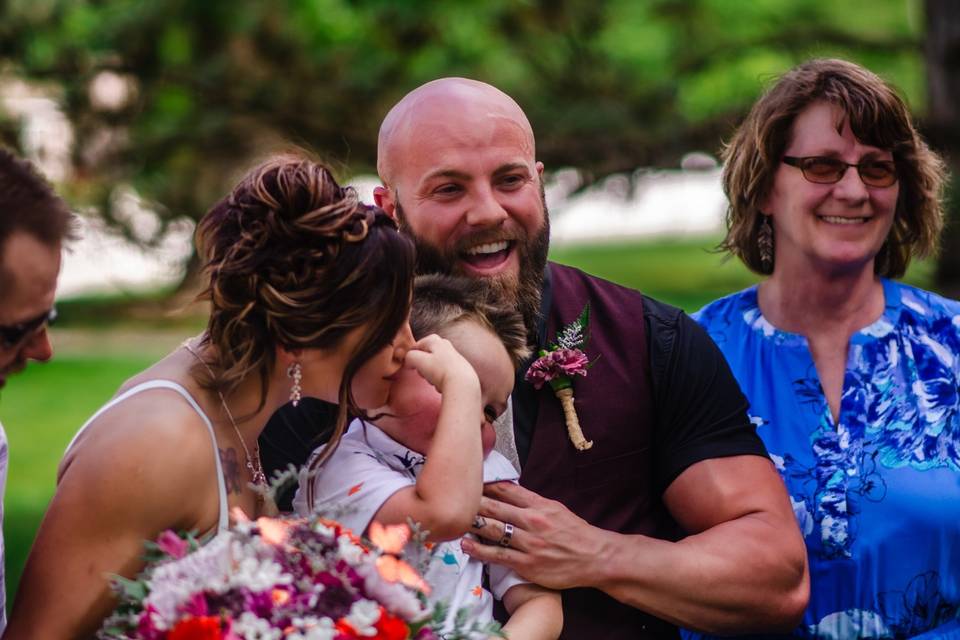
558	365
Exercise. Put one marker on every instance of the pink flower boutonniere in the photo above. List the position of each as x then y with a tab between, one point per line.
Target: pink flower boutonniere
558	365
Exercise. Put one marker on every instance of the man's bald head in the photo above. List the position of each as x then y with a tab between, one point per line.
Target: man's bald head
471	100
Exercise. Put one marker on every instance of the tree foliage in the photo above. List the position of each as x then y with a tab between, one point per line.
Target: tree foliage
609	86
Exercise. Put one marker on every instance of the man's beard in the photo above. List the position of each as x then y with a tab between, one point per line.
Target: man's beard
523	289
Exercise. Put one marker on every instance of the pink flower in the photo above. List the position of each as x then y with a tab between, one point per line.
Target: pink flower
196	605
172	544
146	628
557	364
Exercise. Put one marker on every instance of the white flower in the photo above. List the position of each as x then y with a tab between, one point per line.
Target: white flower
572	336
258	574
312	628
324	530
348	550
206	569
226	562
249	626
363	615
394	597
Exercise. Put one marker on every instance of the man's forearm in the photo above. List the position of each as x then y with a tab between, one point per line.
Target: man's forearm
740	576
742	569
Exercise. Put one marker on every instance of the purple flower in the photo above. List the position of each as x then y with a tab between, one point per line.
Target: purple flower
259	603
557	364
172	544
146	628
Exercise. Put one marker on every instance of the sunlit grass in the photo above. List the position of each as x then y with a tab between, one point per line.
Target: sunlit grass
686	272
41	409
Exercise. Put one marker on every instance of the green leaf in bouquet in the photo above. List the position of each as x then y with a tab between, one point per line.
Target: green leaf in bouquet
130	594
128	589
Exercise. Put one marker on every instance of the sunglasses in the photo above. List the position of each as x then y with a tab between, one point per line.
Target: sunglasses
13	334
823	170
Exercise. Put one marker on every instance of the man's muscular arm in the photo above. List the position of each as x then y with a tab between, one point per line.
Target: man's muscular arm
743	565
742	569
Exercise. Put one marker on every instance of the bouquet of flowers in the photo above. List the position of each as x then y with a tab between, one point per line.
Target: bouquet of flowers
272	579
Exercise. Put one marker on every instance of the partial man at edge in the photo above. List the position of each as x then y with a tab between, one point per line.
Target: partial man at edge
34	224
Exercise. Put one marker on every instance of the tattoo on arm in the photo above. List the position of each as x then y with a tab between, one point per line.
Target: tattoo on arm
231	470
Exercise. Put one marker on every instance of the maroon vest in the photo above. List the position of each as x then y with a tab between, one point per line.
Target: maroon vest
611	485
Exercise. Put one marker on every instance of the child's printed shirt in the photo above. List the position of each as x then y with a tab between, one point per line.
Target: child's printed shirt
366	469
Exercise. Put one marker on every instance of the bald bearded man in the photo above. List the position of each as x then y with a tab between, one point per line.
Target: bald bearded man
675	516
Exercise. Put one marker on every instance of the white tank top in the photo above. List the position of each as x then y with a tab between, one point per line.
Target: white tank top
173	386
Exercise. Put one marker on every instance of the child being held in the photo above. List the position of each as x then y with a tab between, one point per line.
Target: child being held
430	450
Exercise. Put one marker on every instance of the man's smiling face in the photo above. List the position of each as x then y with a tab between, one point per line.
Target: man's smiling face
459	162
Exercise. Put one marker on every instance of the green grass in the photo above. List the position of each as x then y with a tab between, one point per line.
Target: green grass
42	408
683	272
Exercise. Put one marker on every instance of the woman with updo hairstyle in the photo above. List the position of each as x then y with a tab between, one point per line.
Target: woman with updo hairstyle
309	293
852	377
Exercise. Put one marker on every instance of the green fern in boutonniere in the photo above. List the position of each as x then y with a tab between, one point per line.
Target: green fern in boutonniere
558	365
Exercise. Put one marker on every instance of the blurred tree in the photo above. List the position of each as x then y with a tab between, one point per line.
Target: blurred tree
943	122
201	88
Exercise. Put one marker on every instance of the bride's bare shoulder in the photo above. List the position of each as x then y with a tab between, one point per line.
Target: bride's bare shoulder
155	423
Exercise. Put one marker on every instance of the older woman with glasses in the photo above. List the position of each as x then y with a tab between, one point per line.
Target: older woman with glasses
852	377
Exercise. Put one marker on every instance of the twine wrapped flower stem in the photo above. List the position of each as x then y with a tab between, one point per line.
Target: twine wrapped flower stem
558	365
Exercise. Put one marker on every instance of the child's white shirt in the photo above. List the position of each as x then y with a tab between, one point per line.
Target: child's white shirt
366	469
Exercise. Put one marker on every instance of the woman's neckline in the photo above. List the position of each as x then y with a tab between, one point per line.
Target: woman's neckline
879	326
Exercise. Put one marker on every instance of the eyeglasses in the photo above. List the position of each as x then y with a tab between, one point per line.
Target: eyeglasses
823	170
14	334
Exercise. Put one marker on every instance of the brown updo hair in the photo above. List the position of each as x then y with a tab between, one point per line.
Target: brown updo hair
877	117
294	260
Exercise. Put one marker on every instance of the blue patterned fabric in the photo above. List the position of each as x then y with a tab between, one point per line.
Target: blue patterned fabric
877	496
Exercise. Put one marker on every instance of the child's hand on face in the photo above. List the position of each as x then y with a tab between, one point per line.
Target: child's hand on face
441	364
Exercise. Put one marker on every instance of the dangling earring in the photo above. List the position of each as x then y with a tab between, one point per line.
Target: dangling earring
295	371
765	244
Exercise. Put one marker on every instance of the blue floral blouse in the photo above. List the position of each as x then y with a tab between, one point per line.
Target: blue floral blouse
877	496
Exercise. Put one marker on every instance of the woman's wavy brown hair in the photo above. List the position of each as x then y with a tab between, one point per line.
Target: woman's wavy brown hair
294	260
877	116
